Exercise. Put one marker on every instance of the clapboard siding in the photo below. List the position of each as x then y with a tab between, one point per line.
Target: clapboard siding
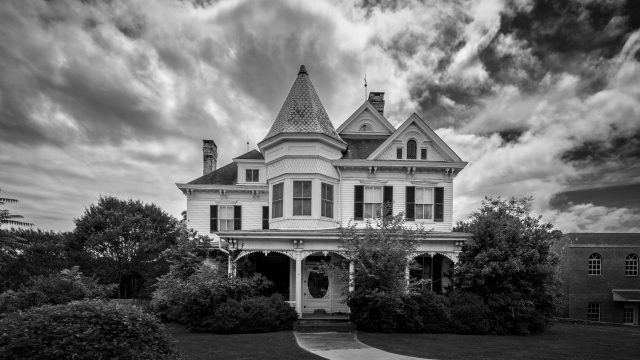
399	198
198	208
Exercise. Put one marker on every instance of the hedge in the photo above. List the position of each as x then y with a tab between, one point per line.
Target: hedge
89	329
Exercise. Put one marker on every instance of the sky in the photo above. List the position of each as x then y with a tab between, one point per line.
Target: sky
113	98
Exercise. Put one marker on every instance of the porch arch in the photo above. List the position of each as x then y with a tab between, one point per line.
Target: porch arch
245	253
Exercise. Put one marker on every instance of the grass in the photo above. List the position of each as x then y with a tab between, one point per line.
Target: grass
201	346
562	341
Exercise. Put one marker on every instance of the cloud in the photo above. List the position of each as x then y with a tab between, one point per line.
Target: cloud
114	97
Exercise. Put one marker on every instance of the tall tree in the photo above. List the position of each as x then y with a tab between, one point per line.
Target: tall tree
6	218
510	264
125	239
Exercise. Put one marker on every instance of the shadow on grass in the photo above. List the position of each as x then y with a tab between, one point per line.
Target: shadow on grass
562	341
201	346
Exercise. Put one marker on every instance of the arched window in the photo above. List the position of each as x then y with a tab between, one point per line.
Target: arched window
365	127
595	264
631	265
412	149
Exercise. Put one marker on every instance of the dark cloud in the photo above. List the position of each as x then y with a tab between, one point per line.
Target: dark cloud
620	196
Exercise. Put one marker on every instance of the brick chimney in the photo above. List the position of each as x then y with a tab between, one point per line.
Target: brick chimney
209	156
377	100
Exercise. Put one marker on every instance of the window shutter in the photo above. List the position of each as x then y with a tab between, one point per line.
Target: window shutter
213	221
438	213
237	217
358	205
387	200
265	217
410	213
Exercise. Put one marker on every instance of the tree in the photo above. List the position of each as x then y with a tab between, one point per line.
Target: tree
510	264
6	218
125	238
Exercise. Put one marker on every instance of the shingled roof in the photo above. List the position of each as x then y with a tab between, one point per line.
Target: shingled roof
251	155
361	148
302	111
226	175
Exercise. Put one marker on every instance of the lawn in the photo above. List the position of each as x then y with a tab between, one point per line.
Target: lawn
562	341
201	346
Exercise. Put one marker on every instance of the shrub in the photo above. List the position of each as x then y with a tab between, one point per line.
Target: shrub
374	310
61	288
434	312
470	313
86	329
259	314
189	301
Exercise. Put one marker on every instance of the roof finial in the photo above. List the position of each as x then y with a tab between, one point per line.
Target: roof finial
365	86
303	70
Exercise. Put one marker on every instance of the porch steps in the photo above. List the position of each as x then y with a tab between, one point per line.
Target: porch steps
316	324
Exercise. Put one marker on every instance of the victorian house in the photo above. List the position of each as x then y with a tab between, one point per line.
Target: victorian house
281	206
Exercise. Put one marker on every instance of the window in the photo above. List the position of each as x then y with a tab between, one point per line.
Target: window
593	311
424	203
399	153
225	218
372	201
412	149
631	265
265	217
252	175
365	127
326	207
276	200
301	198
423	154
595	264
628	315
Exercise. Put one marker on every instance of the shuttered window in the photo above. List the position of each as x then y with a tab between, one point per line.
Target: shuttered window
438	206
265	217
237	217
387	200
358	205
424	203
213	218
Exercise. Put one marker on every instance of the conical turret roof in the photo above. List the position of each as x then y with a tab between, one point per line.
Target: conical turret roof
302	111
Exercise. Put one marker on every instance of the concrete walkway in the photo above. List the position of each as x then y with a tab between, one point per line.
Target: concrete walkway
343	346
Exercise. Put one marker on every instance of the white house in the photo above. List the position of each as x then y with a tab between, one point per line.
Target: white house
282	205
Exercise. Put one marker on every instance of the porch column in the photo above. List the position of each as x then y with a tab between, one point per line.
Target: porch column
230	266
299	283
352	276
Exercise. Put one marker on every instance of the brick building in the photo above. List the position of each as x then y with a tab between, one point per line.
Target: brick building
600	276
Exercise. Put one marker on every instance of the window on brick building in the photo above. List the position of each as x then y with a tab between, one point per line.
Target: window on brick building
595	264
593	311
631	265
628	315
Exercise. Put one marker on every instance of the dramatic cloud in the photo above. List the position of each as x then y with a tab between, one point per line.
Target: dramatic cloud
114	97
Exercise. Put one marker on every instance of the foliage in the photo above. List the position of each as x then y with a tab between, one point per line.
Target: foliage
6	218
190	301
469	313
380	254
85	329
60	288
251	315
39	253
124	239
189	252
510	265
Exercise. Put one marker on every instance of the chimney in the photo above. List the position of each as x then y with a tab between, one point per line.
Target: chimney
209	156
377	100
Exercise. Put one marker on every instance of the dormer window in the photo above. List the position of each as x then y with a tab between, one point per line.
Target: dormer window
365	127
423	154
412	149
252	175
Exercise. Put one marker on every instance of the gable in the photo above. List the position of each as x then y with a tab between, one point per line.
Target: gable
366	115
414	128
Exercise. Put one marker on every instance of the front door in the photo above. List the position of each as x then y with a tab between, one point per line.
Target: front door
316	288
